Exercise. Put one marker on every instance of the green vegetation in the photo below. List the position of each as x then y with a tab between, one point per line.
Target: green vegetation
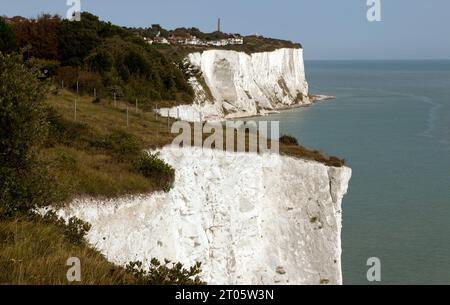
252	43
95	55
7	38
73	230
288	140
291	147
96	155
57	145
48	158
22	117
34	251
151	166
164	274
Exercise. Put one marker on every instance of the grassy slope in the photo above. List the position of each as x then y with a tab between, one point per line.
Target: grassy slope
88	170
33	253
36	253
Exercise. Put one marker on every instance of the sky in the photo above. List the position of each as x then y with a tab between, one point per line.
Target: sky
327	29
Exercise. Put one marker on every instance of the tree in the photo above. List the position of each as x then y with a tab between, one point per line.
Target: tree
77	39
7	38
100	61
38	36
23	121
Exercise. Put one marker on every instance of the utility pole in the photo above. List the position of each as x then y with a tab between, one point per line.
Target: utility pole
219	25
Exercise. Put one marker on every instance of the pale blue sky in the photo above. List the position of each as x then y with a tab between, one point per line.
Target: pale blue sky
328	29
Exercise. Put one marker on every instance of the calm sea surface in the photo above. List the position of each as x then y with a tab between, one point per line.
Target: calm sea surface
391	122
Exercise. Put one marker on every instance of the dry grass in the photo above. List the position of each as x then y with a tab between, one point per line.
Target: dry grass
82	166
316	155
107	116
36	253
100	172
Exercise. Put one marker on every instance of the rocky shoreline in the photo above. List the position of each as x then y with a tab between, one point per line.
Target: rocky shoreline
315	98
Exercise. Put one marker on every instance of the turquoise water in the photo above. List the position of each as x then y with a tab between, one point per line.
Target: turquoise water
391	122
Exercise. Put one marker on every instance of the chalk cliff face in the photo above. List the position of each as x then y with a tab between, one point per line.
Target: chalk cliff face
239	84
250	219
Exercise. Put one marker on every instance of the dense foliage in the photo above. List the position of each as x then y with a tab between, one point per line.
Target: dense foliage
289	140
7	38
166	273
31	129
37	38
24	128
74	230
102	56
46	158
152	167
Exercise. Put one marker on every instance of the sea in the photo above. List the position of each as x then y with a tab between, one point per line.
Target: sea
391	122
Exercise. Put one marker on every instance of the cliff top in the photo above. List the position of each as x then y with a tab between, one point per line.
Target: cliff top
182	41
252	44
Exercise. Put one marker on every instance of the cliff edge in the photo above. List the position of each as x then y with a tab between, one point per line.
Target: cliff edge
250	219
237	84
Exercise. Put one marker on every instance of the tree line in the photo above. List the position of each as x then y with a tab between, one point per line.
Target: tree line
95	54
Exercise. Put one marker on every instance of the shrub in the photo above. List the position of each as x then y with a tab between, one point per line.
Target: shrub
23	131
7	38
154	168
336	162
164	274
23	189
74	229
288	140
123	144
100	61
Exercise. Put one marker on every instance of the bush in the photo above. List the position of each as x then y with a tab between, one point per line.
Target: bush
290	146
152	167
74	229
100	61
288	140
7	38
164	274
123	144
23	130
23	189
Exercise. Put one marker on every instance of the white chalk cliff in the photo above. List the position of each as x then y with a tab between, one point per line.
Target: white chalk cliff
239	84
250	219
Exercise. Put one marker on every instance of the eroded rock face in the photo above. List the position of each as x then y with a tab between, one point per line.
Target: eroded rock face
244	85
250	219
